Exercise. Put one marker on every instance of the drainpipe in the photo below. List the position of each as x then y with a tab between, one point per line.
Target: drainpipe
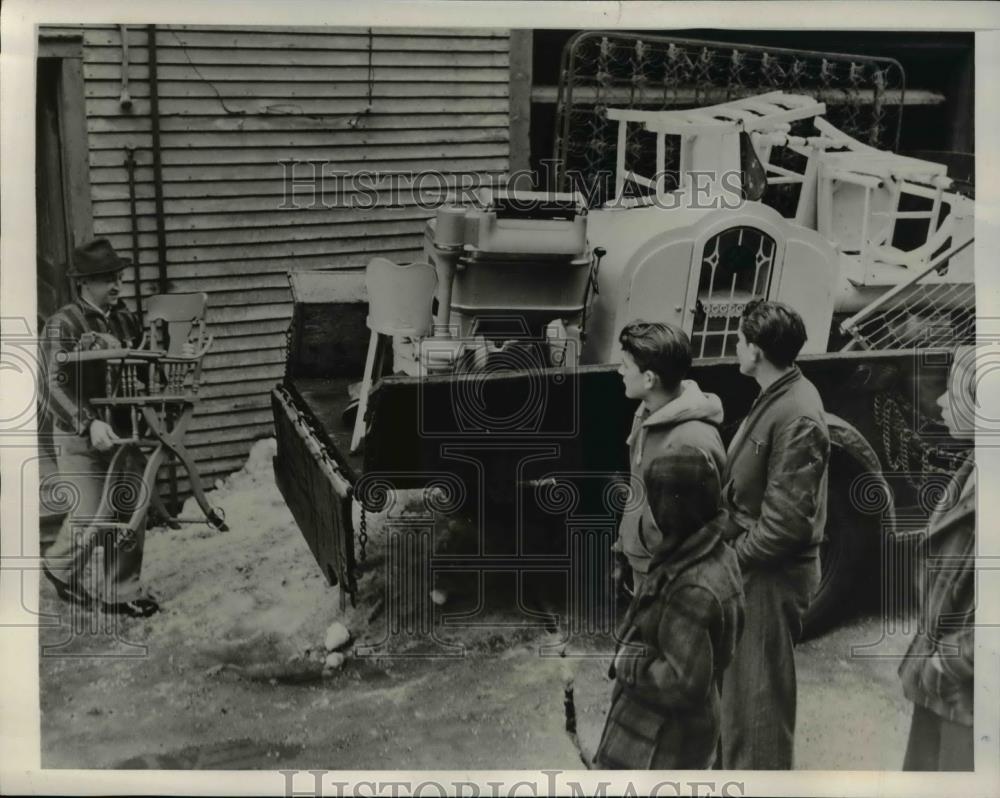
134	219
161	235
154	113
125	99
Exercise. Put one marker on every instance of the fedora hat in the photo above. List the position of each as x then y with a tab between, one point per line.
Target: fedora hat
96	257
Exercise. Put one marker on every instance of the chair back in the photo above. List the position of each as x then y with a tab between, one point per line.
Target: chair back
174	320
400	297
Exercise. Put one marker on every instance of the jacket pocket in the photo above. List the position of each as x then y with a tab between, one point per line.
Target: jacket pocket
631	735
744	470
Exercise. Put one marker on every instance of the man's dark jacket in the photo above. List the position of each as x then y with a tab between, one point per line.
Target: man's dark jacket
775	482
68	387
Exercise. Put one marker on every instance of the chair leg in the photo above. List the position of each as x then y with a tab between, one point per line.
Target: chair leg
117	488
155	510
366	385
171	442
149	472
194	477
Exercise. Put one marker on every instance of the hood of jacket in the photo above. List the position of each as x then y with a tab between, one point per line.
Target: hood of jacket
692	404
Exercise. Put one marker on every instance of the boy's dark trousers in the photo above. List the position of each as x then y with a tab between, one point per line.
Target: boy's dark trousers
759	687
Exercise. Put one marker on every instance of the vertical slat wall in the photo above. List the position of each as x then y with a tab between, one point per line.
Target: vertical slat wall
234	104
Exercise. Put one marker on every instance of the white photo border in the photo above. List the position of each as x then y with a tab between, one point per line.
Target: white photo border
20	771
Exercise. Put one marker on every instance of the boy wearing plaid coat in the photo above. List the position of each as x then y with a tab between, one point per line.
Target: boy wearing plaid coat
681	629
938	672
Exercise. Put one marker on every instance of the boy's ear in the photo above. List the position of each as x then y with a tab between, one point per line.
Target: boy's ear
649	379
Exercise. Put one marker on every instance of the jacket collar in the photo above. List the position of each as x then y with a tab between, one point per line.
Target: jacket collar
764	400
90	309
688	551
690	404
669	561
781	384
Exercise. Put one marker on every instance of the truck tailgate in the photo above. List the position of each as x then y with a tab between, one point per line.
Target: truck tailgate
315	488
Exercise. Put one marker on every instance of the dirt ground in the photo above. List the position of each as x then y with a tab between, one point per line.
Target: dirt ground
231	674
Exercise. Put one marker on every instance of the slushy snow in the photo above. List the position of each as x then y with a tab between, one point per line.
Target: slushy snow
248	596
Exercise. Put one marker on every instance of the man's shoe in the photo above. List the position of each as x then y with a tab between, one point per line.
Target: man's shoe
136	608
67	592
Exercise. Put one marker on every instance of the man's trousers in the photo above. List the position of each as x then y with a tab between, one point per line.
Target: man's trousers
81	480
758	687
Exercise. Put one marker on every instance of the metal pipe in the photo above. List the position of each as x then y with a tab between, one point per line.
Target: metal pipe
125	99
161	236
134	219
154	115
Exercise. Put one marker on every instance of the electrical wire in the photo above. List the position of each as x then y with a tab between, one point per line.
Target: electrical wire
289	109
206	81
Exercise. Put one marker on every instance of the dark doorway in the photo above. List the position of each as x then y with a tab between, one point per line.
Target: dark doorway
51	212
63	211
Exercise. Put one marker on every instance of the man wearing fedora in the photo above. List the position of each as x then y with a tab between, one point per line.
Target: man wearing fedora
97	318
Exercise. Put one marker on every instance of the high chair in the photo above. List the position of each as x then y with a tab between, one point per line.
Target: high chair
157	384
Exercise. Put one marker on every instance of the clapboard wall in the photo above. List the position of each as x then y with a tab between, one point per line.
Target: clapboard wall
236	105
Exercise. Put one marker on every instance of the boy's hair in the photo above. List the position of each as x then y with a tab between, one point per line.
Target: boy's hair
776	328
658	347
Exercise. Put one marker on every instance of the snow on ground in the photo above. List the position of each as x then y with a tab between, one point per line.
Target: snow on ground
233	671
253	594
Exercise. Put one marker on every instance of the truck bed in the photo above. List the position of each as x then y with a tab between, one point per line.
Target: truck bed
325	398
460	429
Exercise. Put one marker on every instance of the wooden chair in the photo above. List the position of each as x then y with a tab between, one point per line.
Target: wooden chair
400	303
157	384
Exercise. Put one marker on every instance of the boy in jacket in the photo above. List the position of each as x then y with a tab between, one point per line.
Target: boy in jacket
680	630
673	412
938	671
774	492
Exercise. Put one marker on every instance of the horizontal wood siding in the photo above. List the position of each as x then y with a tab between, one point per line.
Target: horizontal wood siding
237	106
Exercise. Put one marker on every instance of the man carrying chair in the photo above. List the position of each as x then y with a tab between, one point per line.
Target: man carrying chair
85	443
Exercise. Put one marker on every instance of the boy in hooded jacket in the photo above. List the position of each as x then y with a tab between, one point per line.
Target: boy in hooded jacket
673	412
